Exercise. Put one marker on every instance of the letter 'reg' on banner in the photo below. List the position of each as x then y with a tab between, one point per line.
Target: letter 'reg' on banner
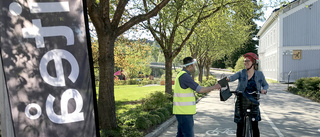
47	66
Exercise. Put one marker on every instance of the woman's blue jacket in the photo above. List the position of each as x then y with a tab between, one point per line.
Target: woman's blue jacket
242	78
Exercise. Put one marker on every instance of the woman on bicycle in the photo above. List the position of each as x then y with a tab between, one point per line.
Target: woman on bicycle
250	82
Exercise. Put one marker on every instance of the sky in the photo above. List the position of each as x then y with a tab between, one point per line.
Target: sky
267	13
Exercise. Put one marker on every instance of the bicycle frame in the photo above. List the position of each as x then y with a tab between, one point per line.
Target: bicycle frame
247	125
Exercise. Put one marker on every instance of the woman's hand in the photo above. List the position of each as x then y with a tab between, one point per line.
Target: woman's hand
263	91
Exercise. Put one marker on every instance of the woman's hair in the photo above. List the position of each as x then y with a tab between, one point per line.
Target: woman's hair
255	64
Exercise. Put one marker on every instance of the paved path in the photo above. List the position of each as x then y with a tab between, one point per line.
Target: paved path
283	114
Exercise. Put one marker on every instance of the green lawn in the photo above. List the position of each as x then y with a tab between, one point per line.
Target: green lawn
129	96
271	81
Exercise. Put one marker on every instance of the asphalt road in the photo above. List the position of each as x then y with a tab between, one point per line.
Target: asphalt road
283	115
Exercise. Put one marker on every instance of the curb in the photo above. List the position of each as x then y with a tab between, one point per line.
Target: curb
162	127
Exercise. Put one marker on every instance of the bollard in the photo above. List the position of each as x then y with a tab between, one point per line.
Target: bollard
288	78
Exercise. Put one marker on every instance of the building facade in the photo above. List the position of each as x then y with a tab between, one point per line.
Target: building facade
289	42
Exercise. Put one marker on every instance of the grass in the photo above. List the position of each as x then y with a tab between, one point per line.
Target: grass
129	96
271	81
134	92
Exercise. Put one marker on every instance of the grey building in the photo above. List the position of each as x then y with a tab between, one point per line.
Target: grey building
289	41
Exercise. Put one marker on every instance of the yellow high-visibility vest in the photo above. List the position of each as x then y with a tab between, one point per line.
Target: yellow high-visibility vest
184	100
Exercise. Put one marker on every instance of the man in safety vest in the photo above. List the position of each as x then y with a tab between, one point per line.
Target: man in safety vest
184	101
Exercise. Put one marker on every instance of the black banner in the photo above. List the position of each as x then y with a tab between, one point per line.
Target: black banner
44	50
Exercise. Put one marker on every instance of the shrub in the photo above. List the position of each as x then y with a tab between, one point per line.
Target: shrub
307	87
316	97
293	89
163	77
162	117
131	132
120	82
208	83
311	83
153	112
299	83
128	118
155	100
231	69
169	107
146	82
165	112
129	121
132	82
239	64
169	97
155	119
110	133
143	123
132	121
155	82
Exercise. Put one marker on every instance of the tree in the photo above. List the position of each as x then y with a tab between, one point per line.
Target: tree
110	20
218	35
229	59
180	17
133	57
95	51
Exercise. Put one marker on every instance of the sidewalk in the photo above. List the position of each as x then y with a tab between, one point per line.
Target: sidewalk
215	117
212	114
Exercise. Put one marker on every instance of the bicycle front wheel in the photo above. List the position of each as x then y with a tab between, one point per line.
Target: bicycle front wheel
248	132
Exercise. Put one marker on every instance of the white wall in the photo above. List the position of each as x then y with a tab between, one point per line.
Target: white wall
268	49
299	31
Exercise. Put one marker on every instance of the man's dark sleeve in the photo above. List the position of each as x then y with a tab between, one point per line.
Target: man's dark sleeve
186	81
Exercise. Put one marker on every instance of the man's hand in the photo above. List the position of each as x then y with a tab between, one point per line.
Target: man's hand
263	91
217	86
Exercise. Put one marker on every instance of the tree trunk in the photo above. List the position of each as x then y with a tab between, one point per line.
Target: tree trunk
106	103
200	73
168	76
208	71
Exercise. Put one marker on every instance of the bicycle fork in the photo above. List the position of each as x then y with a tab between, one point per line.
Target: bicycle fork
247	129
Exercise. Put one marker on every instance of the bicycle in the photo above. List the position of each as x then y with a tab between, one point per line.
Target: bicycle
247	125
217	131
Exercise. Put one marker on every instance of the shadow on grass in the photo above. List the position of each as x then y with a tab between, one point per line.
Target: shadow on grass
125	105
126	102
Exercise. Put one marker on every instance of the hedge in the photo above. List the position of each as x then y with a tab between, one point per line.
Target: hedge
307	87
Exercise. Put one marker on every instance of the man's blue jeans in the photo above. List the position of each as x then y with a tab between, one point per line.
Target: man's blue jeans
185	125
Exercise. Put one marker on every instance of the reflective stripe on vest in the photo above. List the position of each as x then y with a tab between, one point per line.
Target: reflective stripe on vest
184	101
183	94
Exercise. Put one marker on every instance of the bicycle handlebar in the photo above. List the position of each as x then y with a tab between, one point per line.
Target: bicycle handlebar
235	91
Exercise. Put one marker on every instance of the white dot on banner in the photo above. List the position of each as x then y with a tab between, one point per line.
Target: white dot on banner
27	111
15	8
